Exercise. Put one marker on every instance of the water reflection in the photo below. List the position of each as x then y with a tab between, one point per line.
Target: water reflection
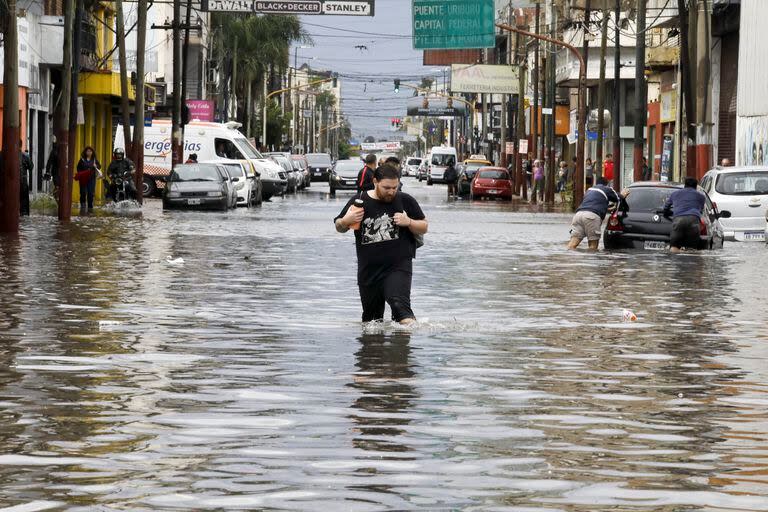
386	394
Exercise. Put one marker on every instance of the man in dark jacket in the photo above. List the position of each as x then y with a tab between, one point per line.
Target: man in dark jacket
120	165
25	180
685	206
588	221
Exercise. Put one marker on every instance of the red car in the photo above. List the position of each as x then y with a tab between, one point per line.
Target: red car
491	182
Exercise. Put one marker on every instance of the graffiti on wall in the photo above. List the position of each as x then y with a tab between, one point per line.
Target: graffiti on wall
752	140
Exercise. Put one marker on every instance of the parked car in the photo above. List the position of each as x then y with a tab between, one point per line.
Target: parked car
199	186
411	167
491	182
243	182
291	175
467	173
743	191
301	162
320	165
639	222
344	175
275	186
423	171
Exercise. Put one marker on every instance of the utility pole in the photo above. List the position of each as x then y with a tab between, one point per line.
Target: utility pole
520	51
535	75
641	96
598	164
61	119
9	174
177	143
549	190
75	84
124	92
185	64
687	90
578	180
617	101
138	131
703	88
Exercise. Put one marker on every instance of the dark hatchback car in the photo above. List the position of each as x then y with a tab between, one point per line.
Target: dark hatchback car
639	221
203	186
344	175
319	165
467	173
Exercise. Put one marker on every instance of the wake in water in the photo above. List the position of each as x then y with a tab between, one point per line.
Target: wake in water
127	207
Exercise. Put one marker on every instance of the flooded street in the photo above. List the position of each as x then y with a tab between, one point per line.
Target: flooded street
210	361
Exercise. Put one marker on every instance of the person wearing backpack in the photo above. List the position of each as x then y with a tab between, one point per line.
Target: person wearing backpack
387	225
450	176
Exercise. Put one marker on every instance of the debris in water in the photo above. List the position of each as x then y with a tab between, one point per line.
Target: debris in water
174	261
628	316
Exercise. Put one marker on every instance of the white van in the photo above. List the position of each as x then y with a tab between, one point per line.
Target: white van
439	158
210	141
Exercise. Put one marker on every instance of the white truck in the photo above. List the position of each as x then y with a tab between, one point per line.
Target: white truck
209	141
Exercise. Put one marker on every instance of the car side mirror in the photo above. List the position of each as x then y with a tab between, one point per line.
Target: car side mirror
725	214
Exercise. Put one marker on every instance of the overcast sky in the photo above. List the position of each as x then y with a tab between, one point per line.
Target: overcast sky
367	74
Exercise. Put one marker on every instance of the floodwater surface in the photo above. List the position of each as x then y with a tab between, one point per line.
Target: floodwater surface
209	361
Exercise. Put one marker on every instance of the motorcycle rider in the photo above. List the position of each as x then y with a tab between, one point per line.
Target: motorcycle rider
119	166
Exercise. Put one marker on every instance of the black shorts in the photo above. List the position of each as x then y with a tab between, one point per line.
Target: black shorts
394	289
685	232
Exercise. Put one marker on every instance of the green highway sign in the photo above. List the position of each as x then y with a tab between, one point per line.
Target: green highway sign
453	24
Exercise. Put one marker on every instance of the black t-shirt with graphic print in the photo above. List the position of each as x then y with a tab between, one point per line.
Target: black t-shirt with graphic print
381	245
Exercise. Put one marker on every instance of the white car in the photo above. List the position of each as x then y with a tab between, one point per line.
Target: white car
411	167
743	191
241	181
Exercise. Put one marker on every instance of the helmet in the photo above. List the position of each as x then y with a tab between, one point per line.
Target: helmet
118	153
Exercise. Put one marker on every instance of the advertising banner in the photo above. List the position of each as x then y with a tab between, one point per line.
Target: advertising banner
484	78
202	110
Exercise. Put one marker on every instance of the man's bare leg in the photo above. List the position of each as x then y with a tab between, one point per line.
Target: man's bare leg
407	321
593	244
675	250
574	242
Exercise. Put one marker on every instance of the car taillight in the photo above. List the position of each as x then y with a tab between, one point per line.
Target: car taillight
702	227
614	224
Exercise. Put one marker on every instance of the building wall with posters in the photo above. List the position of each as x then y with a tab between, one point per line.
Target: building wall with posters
752	103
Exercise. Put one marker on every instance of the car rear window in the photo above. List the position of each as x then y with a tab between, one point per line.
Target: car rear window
742	183
195	172
648	198
493	175
319	159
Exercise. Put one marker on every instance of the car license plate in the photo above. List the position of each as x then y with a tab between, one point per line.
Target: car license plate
755	236
655	246
493	191
317	173
193	201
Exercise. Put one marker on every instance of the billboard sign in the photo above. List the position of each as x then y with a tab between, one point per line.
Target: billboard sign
202	110
435	107
311	7
453	24
380	146
484	79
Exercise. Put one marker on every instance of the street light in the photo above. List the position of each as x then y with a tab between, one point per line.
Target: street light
290	84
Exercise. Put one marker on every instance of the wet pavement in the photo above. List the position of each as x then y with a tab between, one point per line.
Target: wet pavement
213	361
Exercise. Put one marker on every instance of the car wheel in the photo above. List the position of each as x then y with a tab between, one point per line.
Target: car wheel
148	187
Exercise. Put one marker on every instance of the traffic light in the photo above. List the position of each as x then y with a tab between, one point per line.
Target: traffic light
397	85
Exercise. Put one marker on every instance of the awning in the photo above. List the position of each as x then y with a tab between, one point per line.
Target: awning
107	83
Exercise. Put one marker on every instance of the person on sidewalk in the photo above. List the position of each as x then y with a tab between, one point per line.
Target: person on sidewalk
450	176
588	221
386	227
589	173
88	170
52	167
25	180
608	168
685	206
646	174
538	181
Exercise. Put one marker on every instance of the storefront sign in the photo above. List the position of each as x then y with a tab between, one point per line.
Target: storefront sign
312	7
484	78
202	110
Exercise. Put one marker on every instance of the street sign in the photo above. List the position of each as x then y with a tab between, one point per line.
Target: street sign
434	107
510	148
380	146
312	7
523	143
453	24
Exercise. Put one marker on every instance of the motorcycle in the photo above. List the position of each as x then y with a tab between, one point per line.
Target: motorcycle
123	186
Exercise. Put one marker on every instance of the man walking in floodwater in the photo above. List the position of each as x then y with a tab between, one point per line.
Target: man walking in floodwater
386	223
588	221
